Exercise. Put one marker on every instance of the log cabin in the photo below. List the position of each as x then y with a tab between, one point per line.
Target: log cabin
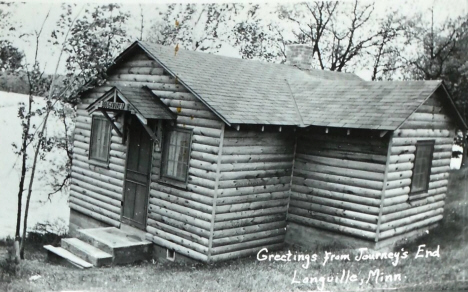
210	158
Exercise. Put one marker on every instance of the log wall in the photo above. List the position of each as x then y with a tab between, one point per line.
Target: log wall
402	212
252	192
178	218
337	182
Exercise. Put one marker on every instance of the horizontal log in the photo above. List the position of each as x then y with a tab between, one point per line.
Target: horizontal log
427	125
205	148
410	227
255	166
331	226
251	206
250	213
376	176
399	175
256	150
293	210
94	195
301	175
206	140
319	150
141	63
98	183
196	122
181	201
98	203
98	176
209	166
187	96
244	252
398	167
333	195
244	158
422	133
342	163
251	198
181	217
387	209
180	225
371	193
441	162
428	117
398	150
211	158
154	203
209	175
245	238
95	208
247	245
253	182
411	211
177	239
253	174
177	232
151	85
393	159
395	200
336	203
104	171
413	141
127	69
440	169
92	187
179	248
401	183
263	138
249	221
410	219
111	166
311	208
400	191
207	183
141	78
94	215
252	190
219	234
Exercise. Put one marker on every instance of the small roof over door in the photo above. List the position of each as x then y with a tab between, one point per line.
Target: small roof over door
140	100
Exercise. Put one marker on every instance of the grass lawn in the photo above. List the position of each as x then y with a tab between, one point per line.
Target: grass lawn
410	274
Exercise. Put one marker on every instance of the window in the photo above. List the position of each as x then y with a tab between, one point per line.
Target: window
176	154
100	139
422	166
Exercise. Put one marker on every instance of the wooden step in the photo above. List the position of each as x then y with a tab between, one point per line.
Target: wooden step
125	248
87	252
68	256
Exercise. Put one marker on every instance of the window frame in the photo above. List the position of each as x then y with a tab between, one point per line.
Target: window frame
430	143
94	160
165	178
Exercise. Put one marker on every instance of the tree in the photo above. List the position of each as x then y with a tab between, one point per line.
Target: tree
94	40
205	27
440	55
338	32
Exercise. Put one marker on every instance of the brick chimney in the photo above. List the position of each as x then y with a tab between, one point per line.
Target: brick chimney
299	55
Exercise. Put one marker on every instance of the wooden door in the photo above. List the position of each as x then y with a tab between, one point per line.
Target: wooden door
137	177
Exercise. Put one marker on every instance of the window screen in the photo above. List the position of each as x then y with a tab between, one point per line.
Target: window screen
100	139
176	154
422	166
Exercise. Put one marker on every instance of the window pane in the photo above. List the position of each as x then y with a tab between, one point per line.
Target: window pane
177	154
422	165
100	136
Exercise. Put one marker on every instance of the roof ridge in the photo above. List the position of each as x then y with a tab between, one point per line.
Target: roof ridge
295	103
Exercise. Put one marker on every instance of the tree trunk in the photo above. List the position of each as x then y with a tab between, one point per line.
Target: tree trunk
465	149
31	180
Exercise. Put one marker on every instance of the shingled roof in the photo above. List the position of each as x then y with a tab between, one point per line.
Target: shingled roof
383	105
141	99
243	91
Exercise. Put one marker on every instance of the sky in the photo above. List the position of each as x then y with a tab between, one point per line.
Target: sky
31	14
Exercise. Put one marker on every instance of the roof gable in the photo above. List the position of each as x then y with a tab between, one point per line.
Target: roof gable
142	100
